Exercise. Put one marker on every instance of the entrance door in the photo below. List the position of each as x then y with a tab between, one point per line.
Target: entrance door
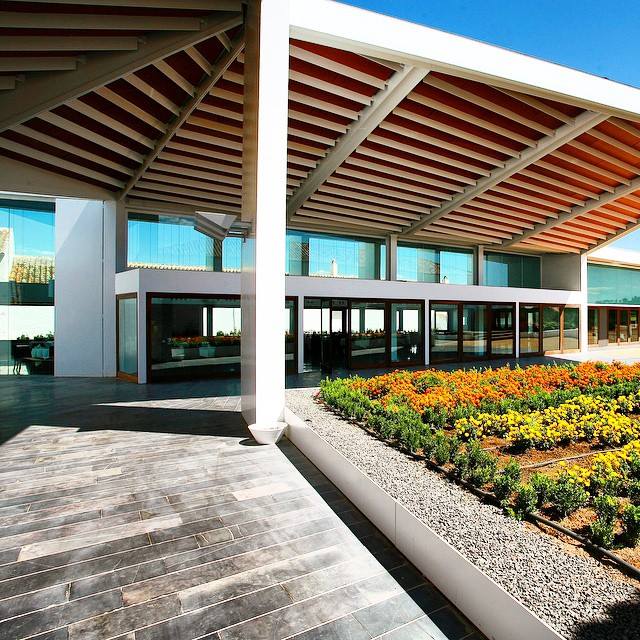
529	329
333	354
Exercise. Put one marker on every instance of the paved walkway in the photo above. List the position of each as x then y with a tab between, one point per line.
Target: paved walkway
145	513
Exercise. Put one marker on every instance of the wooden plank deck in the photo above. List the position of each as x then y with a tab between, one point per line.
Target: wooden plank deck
136	514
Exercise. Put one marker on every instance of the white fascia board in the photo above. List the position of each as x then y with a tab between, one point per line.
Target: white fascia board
613	255
342	26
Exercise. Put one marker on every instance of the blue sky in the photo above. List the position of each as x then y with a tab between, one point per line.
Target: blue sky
594	36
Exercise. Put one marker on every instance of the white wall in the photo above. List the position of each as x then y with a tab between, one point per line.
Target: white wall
85	295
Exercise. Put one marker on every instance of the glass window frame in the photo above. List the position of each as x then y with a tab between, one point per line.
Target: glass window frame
439	250
522	258
460	355
562	349
119	373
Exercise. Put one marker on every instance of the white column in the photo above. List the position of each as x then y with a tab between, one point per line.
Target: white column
85	288
300	334
584	305
427	331
264	205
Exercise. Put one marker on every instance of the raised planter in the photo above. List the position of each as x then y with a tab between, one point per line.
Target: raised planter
492	609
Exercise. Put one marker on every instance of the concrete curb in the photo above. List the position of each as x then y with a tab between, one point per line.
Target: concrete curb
494	611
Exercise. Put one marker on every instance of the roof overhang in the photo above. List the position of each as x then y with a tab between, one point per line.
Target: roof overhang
394	128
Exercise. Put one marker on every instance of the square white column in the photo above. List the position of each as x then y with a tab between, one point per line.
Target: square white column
264	206
584	304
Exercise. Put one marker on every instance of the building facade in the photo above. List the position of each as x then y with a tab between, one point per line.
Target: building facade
279	185
173	311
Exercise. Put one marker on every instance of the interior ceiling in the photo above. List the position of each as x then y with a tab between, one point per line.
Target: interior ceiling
450	160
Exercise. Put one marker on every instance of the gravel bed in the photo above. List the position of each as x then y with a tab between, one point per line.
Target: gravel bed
571	591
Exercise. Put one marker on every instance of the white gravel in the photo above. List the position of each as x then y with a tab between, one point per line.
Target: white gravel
574	593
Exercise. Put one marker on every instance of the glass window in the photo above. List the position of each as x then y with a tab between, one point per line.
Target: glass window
406	332
613	285
368	334
27	277
612	326
194	337
444	332
172	242
594	323
128	336
633	325
529	328
502	329
551	329
623	321
433	264
290	347
474	330
571	328
316	254
511	270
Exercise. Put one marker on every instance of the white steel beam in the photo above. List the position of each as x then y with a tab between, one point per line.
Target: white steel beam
201	92
87	22
40	63
69	43
590	205
561	136
49	91
206	5
383	103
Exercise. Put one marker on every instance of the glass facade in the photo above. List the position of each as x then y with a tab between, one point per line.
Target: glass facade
435	264
551	329
200	336
172	242
613	285
529	329
343	333
27	277
511	270
127	330
324	255
471	331
406	332
368	335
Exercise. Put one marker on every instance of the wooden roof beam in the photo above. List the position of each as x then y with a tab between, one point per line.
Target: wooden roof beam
562	135
383	103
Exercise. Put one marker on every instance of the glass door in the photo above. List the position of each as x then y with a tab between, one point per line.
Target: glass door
593	325
623	325
633	325
502	330
550	329
529	329
474	331
368	334
612	326
127	337
444	332
406	332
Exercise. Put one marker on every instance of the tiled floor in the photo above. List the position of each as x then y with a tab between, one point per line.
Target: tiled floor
145	513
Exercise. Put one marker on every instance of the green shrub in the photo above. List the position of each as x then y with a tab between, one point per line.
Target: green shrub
526	501
568	496
475	465
507	481
601	533
441	448
634	491
606	508
543	486
631	524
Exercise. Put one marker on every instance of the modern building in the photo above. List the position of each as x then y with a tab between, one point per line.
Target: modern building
249	189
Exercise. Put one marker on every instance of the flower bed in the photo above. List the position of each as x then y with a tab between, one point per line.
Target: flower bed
482	427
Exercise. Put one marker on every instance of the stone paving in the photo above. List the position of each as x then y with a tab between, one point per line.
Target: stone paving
146	513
